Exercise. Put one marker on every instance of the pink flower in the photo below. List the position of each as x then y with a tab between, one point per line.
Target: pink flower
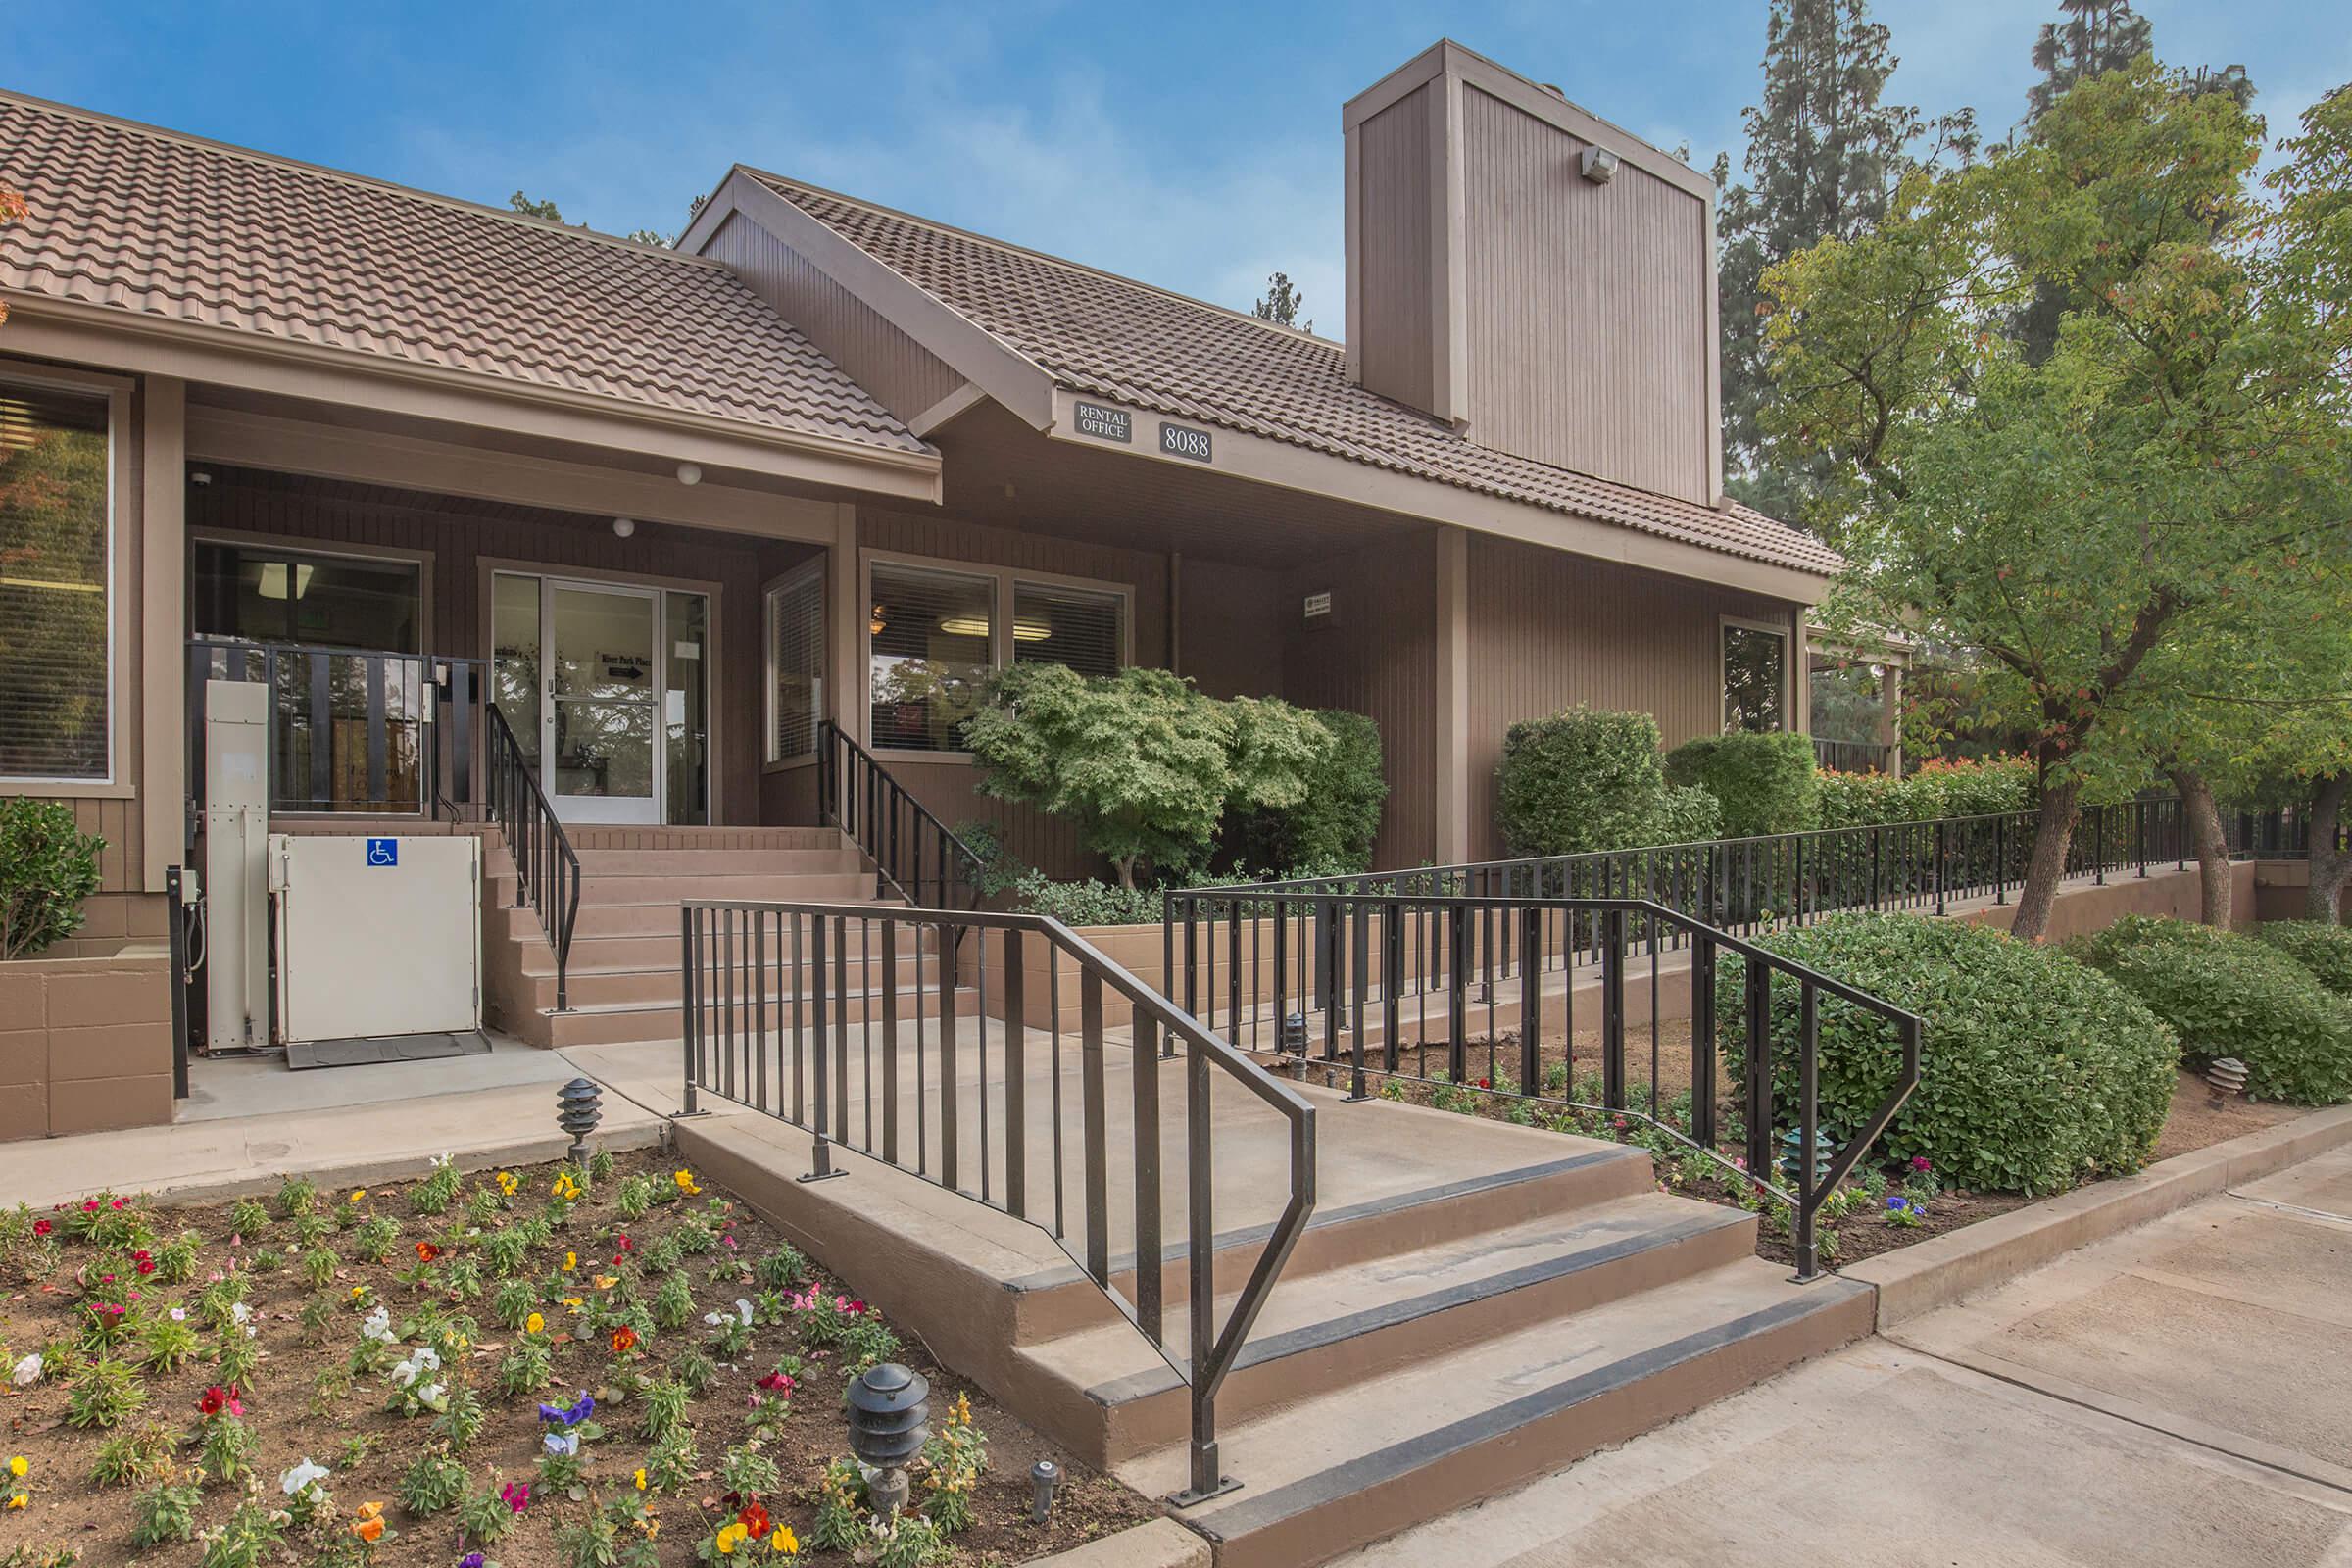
515	1494
1920	1163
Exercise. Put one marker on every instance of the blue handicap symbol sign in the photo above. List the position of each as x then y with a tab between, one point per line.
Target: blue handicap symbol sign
383	851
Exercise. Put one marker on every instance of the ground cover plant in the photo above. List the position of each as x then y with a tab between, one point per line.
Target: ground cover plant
602	1367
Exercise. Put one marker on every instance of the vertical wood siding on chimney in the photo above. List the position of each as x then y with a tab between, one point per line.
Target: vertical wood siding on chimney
1397	306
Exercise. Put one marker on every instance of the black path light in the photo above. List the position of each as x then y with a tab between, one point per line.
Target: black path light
578	1108
887	1416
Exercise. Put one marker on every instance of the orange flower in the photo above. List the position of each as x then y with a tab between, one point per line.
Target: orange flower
426	1251
624	1340
370	1524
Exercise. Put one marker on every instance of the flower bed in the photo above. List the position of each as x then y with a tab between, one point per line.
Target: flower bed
550	1368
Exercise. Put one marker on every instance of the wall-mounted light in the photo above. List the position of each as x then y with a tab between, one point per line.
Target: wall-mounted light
690	473
623	527
199	477
1600	164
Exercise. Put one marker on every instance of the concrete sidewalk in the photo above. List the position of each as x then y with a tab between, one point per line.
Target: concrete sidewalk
2181	1394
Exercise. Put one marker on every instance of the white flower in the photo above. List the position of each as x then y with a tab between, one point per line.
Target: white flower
404	1374
743	1309
26	1372
378	1326
715	1320
433	1396
295	1481
179	1315
238	1312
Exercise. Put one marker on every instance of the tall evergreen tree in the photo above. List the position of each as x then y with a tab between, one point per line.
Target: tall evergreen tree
1823	153
1279	303
2091	38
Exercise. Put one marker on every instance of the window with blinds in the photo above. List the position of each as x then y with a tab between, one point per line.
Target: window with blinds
796	662
1083	628
56	643
930	634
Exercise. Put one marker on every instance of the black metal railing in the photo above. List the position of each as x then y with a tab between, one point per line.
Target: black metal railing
918	855
547	868
848	1021
1753	884
1852	757
354	731
1385	981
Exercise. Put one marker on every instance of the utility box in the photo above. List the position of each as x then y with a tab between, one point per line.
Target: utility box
378	936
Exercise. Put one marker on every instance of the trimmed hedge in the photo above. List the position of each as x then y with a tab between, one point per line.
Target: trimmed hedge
2038	1071
1331	830
1582	779
48	866
2231	996
2324	950
1690	816
1766	782
1938	788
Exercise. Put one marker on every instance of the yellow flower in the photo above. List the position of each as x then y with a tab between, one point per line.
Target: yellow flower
686	1183
604	1282
17	1465
641	1478
358	1193
533	1324
508	1182
18	1499
572	1260
784	1543
358	1291
653	1527
573	1302
729	1537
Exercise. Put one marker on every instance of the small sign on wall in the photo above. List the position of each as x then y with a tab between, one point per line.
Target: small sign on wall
1183	441
1105	424
1317	605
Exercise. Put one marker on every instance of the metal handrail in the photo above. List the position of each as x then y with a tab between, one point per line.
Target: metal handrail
897	831
1326	963
547	868
753	965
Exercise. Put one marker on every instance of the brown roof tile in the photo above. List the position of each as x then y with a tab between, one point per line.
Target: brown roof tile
160	224
1118	338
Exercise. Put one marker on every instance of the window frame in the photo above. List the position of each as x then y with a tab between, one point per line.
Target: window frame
122	709
1723	625
419	560
1007	584
770	593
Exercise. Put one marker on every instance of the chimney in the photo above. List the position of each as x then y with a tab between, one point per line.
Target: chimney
1533	275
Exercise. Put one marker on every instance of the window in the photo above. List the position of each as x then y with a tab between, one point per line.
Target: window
796	662
56	647
931	636
270	594
1081	627
1755	677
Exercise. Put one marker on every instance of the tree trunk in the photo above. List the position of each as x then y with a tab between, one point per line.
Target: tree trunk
2330	867
2053	831
2213	848
1125	865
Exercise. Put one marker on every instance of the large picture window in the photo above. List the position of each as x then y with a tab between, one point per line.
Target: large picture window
1084	628
56	526
796	662
1755	677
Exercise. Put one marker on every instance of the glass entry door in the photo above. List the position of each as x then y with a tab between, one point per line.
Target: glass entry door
582	676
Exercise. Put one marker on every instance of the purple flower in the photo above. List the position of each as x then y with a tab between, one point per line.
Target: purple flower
1897	1202
547	1412
473	1559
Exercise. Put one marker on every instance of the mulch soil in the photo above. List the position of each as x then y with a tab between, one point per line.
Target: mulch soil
298	1406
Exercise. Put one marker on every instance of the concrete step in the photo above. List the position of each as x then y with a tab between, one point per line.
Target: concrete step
724	865
1323	1330
667	887
591	985
661	918
617	1022
660	950
1340	1469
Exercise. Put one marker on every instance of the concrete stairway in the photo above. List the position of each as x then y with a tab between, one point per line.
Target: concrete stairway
1473	1305
623	978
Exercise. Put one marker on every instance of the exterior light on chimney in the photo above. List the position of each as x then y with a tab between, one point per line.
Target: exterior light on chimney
1600	164
690	473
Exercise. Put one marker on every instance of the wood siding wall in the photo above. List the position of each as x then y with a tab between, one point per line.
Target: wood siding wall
1394	334
461	533
901	374
1236	624
1587	324
1549	629
1377	655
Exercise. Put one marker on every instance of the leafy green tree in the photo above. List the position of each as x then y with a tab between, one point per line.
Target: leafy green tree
1279	303
2066	520
1824	154
531	209
11	208
2091	38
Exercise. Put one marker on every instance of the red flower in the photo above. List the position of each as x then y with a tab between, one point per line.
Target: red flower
754	1518
90	1206
777	1383
426	1251
213	1400
1485	1083
624	1340
41	1227
146	1263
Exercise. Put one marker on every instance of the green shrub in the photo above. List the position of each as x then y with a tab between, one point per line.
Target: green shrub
2036	1073
1692	815
2231	996
1330	828
1765	781
1962	787
2324	950
1582	779
1085	903
48	866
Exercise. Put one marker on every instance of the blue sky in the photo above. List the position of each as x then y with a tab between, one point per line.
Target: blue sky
1196	146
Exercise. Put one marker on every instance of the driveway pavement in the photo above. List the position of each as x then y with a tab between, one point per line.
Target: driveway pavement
2179	1395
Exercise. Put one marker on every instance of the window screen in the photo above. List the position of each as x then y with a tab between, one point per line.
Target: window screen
1756	678
930	633
796	662
54	628
1071	626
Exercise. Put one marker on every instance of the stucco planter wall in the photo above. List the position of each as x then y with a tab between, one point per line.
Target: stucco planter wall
85	1043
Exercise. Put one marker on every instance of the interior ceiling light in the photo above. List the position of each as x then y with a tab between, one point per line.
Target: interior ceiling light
1023	632
690	473
876	626
273	580
623	526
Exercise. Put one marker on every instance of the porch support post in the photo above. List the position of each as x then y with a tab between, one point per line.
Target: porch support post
162	621
1449	738
844	681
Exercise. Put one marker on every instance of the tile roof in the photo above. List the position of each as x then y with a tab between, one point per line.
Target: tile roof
155	224
1117	338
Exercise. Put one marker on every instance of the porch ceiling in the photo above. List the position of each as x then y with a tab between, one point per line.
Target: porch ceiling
1002	472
